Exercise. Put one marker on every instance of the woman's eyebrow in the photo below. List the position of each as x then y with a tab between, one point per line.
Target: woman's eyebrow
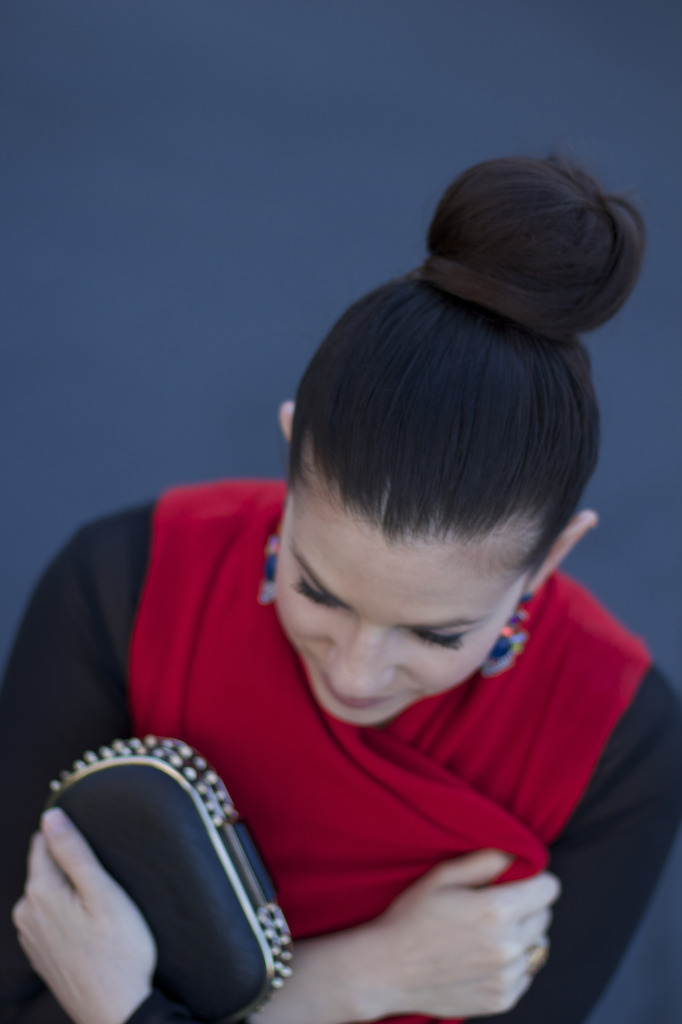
431	627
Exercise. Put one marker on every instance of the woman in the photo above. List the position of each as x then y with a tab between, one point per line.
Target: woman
416	713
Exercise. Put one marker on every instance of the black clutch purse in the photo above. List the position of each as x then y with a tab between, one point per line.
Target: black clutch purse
162	823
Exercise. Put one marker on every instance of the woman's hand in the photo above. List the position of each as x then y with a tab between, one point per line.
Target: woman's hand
453	945
80	930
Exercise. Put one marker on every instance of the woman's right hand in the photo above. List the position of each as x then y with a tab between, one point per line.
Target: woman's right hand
454	945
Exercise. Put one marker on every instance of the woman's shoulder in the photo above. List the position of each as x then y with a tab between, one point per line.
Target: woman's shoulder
219	500
580	639
571	602
91	588
108	557
642	761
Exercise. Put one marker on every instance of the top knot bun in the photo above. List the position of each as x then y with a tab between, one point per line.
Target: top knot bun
537	242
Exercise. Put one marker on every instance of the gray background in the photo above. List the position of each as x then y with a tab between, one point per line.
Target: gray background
193	191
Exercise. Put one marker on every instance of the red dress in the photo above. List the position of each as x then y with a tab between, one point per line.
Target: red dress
348	817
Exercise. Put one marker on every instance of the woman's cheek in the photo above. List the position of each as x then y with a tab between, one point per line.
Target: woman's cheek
456	666
300	620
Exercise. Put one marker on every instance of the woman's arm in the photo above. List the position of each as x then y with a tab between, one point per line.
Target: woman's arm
610	857
608	860
64	691
435	950
450	944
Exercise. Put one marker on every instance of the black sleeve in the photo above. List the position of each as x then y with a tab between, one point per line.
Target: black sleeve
65	692
609	858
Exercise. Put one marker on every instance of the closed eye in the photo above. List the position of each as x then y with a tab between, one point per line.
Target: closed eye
318	596
451	641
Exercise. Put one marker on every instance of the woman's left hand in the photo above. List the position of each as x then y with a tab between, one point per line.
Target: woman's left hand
80	930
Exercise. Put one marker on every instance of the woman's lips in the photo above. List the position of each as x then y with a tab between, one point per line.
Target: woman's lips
352	702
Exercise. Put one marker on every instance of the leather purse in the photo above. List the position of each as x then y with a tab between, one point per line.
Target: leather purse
161	822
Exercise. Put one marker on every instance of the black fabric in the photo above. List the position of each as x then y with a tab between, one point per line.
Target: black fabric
65	691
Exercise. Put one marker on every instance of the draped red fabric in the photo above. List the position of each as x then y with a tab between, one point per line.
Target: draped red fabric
347	817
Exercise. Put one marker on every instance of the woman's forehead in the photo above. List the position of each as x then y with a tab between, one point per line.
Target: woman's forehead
343	550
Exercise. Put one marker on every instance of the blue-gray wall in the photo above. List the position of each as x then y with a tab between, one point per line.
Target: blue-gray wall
193	191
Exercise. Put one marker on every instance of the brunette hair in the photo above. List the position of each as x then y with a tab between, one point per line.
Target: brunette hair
459	398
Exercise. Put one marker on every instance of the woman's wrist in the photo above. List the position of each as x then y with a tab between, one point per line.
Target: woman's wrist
337	978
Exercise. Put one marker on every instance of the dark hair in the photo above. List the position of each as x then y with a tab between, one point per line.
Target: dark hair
459	398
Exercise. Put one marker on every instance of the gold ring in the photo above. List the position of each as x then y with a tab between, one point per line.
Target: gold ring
537	956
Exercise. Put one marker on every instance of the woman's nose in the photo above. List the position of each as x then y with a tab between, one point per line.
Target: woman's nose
359	662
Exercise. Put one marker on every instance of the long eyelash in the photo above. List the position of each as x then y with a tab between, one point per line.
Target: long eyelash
318	596
302	586
452	643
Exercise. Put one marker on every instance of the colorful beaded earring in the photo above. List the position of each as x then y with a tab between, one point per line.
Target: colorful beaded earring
266	591
509	644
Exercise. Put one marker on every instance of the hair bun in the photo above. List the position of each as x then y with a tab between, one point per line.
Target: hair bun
537	242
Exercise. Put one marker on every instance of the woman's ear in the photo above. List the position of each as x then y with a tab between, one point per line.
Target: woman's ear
286	419
579	525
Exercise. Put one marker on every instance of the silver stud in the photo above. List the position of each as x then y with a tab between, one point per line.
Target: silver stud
134	743
175	760
64	775
79	765
189	773
150	741
185	750
277	982
218	820
90	756
285	955
286	972
211	778
55	786
200	763
106	752
202	788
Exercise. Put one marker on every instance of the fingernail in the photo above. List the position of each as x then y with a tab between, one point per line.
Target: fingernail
54	821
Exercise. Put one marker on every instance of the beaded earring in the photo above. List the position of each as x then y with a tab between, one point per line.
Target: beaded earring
266	591
509	644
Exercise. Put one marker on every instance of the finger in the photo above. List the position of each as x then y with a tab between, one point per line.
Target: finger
473	869
73	854
525	980
42	868
18	913
533	930
522	899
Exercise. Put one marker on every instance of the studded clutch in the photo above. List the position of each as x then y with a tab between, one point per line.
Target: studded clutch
161	822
